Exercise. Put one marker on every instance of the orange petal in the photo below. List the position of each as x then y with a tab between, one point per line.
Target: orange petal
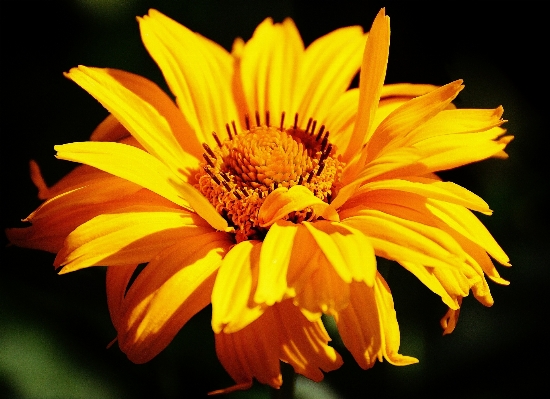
252	352
170	290
116	285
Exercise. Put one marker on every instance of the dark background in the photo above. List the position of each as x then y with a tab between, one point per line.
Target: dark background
54	329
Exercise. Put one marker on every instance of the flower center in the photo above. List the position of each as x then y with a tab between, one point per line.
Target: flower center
242	170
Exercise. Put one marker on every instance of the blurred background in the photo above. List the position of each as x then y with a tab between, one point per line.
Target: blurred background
54	329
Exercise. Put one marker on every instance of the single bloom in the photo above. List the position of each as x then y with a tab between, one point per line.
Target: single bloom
268	189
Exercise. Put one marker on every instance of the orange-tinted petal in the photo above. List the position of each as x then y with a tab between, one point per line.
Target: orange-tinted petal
304	344
252	352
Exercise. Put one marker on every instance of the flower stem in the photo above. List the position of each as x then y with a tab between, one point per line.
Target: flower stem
286	391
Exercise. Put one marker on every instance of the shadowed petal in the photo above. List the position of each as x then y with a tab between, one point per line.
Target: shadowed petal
171	289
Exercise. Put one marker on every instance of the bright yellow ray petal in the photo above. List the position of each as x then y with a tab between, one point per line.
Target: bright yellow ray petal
405	90
411	115
329	64
400	239
340	119
269	68
135	235
170	290
274	261
429	188
143	109
391	337
232	304
304	344
359	325
371	79
347	249
197	70
282	201
465	223
137	166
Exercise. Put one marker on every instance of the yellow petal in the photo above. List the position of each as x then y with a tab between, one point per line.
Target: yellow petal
465	223
405	90
197	70
137	166
135	235
411	115
252	352
433	189
405	240
232	304
359	325
282	201
147	113
391	337
274	261
448	322
347	249
170	290
324	292
110	129
269	68
340	119
329	64
304	344
371	79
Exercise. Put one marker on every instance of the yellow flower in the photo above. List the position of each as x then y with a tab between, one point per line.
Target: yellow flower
268	191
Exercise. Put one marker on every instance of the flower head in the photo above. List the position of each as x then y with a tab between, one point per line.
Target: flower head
267	190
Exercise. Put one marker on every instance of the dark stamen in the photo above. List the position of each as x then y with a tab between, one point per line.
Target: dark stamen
243	192
247	121
217	139
275	185
321	130
267	118
301	180
212	175
309	178
282	120
225	177
309	124
324	142
208	150
308	216
296	121
234	127
227	187
257	119
313	127
228	131
208	160
320	170
236	194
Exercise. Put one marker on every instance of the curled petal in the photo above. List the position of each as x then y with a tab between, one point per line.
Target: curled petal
282	201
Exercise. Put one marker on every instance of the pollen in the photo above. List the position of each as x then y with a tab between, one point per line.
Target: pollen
247	166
